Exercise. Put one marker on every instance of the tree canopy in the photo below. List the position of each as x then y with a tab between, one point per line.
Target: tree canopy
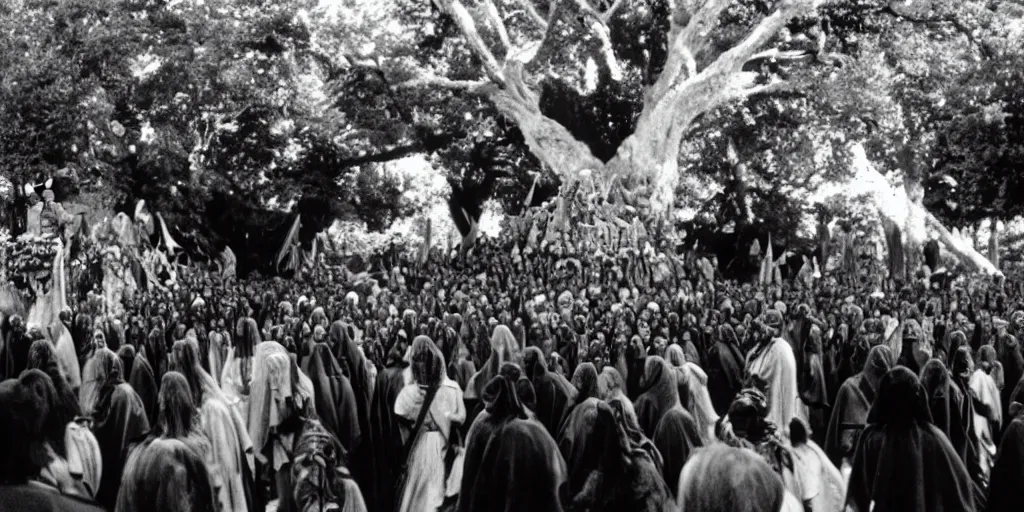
228	113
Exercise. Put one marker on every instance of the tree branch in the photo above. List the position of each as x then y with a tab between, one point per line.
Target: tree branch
494	16
467	26
442	82
531	11
384	156
899	11
688	36
610	13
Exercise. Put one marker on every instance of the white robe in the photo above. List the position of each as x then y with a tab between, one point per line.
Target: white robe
776	365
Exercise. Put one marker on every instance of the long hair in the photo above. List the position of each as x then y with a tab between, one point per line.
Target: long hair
726	479
185	361
428	366
177	410
24	457
102	373
166	475
55	417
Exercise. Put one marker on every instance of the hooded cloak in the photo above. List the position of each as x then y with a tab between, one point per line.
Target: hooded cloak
726	479
659	394
333	396
676	438
904	463
946	403
853	403
521	469
143	382
553	392
725	369
385	433
775	365
119	418
587	384
1007	476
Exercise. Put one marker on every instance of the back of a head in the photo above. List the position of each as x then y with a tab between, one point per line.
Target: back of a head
165	475
21	426
901	400
725	479
527	471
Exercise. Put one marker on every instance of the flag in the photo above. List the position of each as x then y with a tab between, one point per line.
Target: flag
290	249
767	272
425	250
470	239
529	196
166	236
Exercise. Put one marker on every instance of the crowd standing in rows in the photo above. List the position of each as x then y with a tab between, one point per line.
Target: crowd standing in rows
521	380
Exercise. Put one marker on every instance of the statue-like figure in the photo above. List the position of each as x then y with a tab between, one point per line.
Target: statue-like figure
47	217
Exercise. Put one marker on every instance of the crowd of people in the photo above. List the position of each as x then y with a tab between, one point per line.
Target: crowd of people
544	378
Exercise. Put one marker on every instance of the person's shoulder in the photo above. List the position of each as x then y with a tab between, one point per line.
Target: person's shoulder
37	498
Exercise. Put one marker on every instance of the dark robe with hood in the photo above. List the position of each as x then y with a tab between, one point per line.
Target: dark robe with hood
903	462
512	463
353	363
553	392
725	369
143	382
1007	476
853	403
676	438
119	419
659	394
333	397
946	403
586	382
385	437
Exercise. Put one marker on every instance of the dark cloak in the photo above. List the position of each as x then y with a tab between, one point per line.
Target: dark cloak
520	469
119	420
945	401
1007	477
353	362
385	437
853	403
725	370
334	399
903	463
658	395
676	439
553	393
585	380
143	382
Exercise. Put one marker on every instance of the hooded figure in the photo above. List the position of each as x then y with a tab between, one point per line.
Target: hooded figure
553	393
772	364
947	407
385	430
511	463
118	414
333	396
615	473
503	348
904	463
676	438
850	414
725	369
1007	476
586	381
659	394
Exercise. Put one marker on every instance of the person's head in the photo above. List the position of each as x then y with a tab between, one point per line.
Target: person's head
185	360
428	366
22	417
725	479
177	409
166	475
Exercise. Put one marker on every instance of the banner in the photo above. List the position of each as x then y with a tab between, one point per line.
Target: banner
290	249
425	249
767	273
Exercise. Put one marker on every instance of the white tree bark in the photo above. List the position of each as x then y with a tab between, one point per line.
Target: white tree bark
896	206
649	157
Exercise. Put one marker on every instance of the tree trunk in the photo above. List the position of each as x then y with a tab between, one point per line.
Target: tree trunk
993	242
974	234
646	163
914	227
895	205
897	250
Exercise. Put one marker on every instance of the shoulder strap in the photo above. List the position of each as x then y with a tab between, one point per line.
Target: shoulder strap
424	409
